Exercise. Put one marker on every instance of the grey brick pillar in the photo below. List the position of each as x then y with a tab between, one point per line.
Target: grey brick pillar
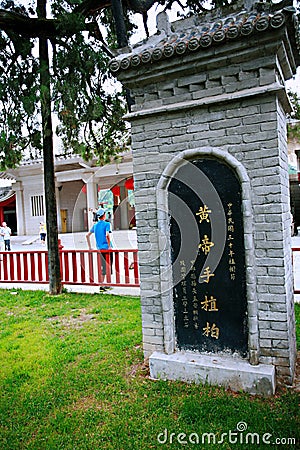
216	87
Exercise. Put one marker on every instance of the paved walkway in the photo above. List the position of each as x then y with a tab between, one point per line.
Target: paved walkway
123	239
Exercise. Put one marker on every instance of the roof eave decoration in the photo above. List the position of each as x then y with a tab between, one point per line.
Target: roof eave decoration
6	194
241	25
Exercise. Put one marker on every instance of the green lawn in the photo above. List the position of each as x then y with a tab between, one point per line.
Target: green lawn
72	377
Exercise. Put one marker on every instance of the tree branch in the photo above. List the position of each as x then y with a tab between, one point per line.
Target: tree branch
19	24
49	28
37	27
90	7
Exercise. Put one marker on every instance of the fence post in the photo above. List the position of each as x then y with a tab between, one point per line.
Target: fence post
60	247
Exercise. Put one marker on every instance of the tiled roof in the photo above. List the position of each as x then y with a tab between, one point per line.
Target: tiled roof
5	176
200	37
6	193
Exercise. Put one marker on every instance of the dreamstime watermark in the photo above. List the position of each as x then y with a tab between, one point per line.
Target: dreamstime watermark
238	436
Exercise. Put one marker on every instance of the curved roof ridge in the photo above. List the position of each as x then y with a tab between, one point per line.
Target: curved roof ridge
202	35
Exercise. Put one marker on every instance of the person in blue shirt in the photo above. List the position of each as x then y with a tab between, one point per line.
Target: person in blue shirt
101	230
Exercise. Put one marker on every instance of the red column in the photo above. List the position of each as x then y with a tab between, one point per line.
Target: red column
1	214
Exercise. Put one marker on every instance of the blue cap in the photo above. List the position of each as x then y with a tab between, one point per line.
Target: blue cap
100	212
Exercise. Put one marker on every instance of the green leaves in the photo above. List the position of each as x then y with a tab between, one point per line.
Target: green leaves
293	128
90	110
18	98
295	101
85	99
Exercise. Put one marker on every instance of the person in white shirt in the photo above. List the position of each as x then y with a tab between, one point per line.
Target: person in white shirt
6	235
1	241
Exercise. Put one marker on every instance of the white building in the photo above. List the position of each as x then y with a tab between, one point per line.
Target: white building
80	187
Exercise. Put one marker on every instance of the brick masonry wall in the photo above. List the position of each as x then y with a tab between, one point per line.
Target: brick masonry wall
226	99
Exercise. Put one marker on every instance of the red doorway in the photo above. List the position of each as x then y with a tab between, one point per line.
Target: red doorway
8	212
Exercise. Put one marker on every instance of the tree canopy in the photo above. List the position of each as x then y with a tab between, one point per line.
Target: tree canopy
89	113
88	110
293	128
73	85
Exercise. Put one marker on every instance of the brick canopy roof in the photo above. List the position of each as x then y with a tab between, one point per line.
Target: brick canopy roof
212	29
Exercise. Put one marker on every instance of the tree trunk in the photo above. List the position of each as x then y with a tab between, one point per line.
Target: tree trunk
55	286
117	10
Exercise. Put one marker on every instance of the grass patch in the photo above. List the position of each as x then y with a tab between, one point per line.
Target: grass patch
72	377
